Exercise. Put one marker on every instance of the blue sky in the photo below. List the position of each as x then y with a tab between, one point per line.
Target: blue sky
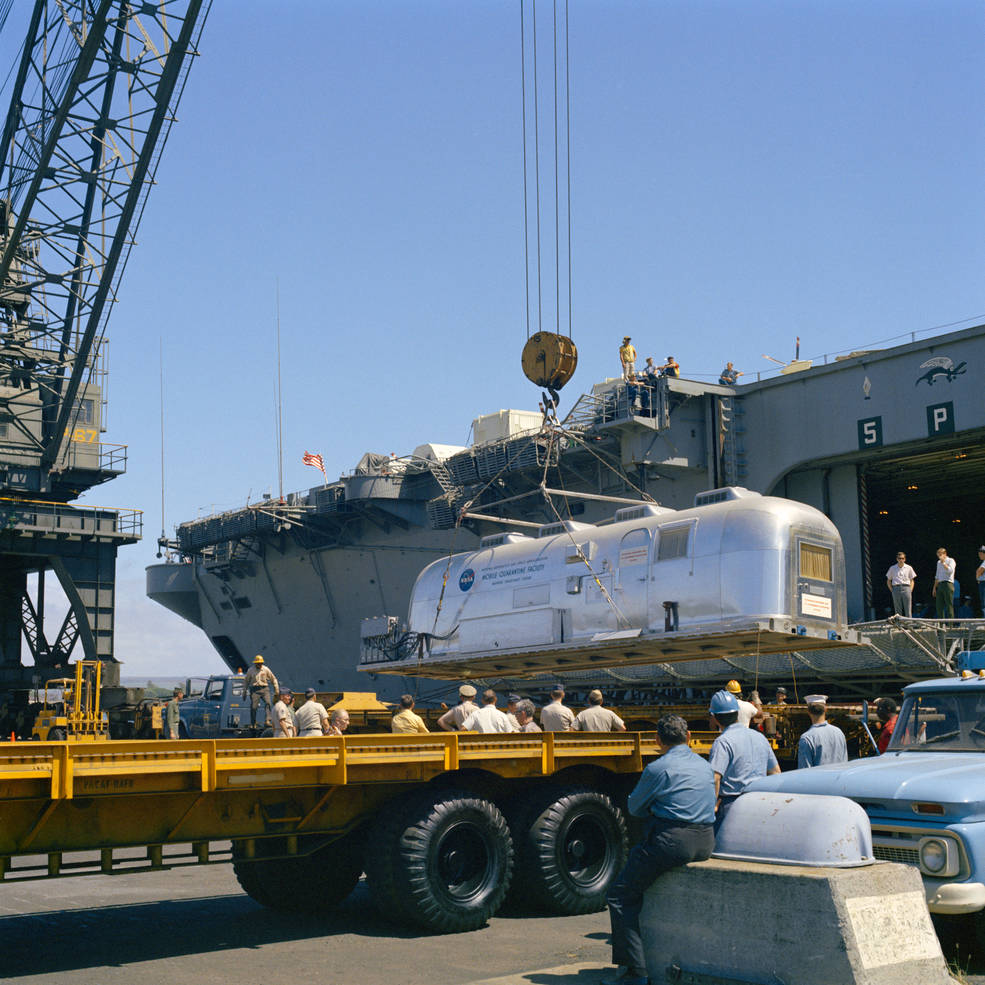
741	174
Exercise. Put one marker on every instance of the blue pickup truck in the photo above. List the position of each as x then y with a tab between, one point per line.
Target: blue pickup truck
216	708
925	796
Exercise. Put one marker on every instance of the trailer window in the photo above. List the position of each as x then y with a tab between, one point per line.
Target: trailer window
815	562
674	542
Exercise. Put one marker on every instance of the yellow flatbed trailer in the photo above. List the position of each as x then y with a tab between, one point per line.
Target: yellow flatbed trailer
435	821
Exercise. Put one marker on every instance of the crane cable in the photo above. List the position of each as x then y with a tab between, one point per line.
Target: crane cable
536	165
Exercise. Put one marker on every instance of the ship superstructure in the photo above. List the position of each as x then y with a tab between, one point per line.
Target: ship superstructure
886	443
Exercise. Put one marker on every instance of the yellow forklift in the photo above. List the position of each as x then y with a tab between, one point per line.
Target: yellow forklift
71	707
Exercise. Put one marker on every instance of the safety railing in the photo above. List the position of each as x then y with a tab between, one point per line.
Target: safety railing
60	519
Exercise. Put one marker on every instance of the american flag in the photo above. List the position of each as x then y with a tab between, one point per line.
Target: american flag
315	461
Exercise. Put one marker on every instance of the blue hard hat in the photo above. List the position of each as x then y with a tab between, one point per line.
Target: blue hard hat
721	702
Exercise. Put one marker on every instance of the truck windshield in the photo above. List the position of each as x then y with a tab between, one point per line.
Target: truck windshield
941	723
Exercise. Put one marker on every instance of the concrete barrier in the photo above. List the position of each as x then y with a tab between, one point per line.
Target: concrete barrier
795	925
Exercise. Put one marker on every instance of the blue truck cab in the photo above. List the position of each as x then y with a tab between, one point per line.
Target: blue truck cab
925	796
216	708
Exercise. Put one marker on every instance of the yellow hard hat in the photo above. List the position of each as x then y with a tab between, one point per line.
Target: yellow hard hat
733	687
258	659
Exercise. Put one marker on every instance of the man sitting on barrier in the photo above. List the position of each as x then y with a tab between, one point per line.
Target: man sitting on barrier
677	793
738	755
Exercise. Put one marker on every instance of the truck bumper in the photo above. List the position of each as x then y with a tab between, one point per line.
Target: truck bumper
954	897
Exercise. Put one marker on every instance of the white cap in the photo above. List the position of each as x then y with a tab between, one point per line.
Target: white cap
816	699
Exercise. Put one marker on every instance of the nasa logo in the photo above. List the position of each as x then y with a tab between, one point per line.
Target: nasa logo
466	580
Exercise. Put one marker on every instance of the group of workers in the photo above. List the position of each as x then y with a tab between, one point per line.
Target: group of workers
627	360
467	716
309	720
901	578
686	799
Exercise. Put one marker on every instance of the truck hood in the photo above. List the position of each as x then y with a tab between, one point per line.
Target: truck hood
890	783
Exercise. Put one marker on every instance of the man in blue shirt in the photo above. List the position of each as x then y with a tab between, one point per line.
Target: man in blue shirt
738	755
822	742
677	793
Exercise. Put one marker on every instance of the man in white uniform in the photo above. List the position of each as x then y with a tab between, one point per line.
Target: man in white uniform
944	584
899	580
823	742
488	718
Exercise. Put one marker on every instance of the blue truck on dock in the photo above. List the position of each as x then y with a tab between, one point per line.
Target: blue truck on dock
925	796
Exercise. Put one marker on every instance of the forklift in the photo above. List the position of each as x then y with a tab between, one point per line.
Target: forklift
71	707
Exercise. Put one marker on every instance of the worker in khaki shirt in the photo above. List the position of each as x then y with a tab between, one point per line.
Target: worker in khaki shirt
311	717
451	720
556	716
261	685
627	357
595	718
405	721
285	726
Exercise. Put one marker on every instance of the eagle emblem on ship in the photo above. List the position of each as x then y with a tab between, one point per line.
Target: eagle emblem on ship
940	366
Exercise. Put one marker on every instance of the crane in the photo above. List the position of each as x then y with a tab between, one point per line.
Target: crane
92	102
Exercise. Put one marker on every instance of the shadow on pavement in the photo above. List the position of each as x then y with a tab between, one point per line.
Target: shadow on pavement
72	939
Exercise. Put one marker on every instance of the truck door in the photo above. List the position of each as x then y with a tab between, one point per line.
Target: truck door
632	581
208	719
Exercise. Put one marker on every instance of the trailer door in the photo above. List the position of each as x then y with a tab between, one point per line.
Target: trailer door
632	583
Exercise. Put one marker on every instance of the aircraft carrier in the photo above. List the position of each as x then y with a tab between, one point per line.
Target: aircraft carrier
887	443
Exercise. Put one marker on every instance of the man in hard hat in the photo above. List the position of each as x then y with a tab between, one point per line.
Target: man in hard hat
451	720
738	755
627	357
822	742
747	710
261	685
676	794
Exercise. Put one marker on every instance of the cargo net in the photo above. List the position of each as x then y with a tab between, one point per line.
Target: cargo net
897	648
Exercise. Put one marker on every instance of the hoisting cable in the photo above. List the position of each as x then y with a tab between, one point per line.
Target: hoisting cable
620	618
557	206
526	218
574	436
466	507
540	292
567	135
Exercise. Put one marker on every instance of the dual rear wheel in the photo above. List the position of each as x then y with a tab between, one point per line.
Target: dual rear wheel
444	859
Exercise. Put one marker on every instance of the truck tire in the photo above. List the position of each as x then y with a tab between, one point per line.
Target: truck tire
440	859
250	876
571	845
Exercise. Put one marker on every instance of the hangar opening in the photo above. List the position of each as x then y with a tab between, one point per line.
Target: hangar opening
915	504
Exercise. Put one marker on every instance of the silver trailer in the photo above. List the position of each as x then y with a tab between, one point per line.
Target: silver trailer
736	571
